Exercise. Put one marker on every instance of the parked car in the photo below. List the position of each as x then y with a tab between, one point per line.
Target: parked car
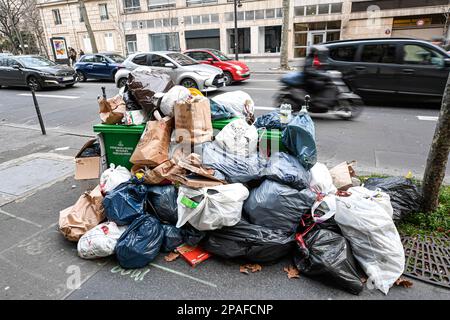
34	71
98	66
182	69
389	68
233	70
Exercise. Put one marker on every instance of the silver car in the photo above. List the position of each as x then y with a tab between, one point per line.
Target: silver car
182	69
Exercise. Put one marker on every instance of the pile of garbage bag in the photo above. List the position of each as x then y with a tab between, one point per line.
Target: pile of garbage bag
221	194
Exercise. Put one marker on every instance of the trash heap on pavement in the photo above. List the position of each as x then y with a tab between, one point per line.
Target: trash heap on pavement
201	193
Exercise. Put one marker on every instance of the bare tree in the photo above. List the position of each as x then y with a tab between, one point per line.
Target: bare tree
438	155
85	17
11	13
284	36
33	24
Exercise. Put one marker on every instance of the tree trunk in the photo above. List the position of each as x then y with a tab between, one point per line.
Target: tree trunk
438	155
284	36
88	26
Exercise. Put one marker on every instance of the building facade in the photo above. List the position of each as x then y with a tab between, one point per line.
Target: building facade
142	25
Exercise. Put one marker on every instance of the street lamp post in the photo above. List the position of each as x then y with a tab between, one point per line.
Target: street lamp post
237	3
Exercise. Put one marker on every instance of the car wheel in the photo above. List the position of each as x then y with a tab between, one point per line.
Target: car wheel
122	82
33	82
227	78
81	76
189	83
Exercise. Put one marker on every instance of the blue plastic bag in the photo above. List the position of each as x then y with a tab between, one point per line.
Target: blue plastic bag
140	243
218	111
162	203
173	237
126	202
286	169
269	120
299	139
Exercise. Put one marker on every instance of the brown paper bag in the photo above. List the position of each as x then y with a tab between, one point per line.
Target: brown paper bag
193	121
85	214
149	175
112	110
153	147
342	175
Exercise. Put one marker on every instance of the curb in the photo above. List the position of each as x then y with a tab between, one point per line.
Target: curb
269	72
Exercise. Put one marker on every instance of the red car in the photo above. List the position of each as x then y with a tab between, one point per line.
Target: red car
233	70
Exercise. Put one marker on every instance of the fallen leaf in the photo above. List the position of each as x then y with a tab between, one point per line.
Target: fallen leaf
249	267
404	282
292	272
171	256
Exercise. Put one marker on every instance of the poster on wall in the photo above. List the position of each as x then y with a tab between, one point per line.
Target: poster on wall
59	49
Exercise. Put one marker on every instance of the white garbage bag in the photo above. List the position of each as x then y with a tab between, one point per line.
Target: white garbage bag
176	94
112	177
211	208
322	184
366	221
236	102
238	138
100	240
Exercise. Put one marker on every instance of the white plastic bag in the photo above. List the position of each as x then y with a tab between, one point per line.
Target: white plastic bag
239	138
134	117
366	222
322	184
100	240
112	177
236	102
175	95
217	207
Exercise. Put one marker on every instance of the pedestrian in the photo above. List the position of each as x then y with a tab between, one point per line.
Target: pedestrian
72	56
81	53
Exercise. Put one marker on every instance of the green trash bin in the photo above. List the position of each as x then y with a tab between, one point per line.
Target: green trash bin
270	141
120	142
220	124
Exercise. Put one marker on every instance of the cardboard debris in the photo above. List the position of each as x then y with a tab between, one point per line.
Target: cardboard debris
193	255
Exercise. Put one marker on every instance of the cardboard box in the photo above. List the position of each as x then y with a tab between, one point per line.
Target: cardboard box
193	255
89	167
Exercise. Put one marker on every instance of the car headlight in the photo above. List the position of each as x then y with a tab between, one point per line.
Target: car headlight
203	73
239	68
46	74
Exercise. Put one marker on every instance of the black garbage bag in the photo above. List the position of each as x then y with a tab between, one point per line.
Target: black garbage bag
91	151
140	243
252	242
270	120
130	101
218	111
278	206
173	237
162	202
299	139
237	169
405	196
286	169
329	258
144	83
126	202
192	236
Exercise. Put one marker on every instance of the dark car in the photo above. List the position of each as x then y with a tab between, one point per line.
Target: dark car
392	69
34	71
98	66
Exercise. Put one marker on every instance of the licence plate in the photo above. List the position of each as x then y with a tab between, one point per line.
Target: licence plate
67	78
220	80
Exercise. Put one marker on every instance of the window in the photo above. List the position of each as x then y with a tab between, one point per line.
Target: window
279	12
333	35
415	54
240	15
159	61
311	10
131	41
88	58
164	42
270	13
131	5
346	53
214	18
81	16
166	22
188	20
336	7
140	59
109	41
160	4
324	8
379	53
199	55
299	11
259	14
150	23
333	25
205	18
229	16
195	19
99	59
249	15
272	39
174	21
56	16
103	9
190	3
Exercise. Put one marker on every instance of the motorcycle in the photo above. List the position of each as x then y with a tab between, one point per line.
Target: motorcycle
327	91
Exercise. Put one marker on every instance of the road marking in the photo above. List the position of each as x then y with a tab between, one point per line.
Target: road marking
261	80
262	89
19	218
184	275
48	96
427	118
266	108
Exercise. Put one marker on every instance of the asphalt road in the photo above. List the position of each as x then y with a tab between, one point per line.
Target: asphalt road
384	139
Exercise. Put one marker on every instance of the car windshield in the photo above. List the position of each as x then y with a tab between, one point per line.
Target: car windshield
116	58
32	62
220	55
182	59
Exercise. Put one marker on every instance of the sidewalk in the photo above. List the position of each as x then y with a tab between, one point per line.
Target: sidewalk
270	67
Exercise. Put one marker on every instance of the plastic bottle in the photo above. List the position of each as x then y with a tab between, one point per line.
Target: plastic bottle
285	113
